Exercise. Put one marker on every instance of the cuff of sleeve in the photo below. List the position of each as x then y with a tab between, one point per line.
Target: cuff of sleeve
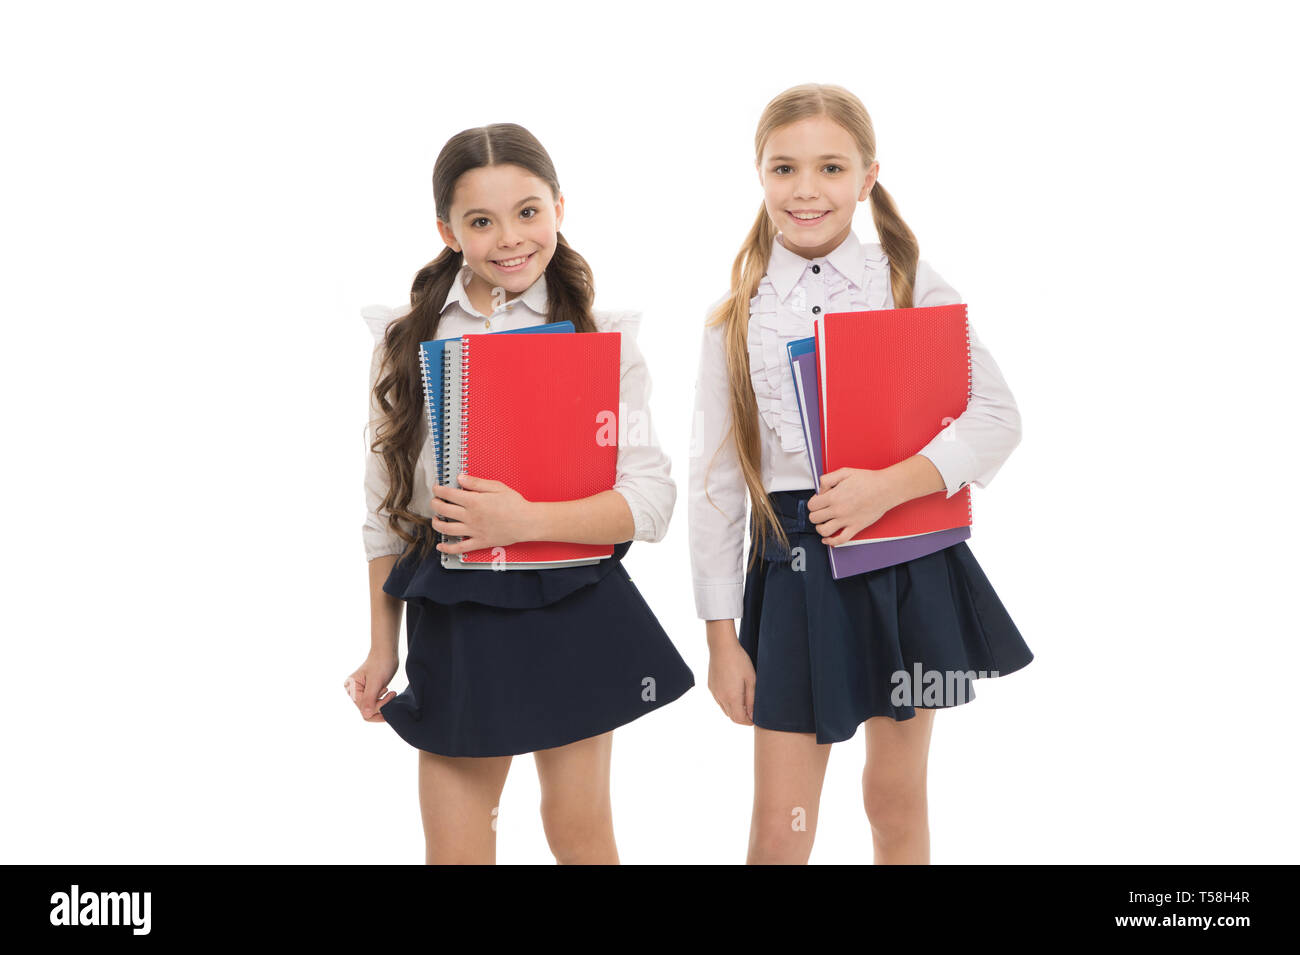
719	601
954	461
383	546
643	517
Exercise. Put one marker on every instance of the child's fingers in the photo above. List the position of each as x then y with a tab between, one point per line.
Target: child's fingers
832	478
368	701
734	707
831	527
749	700
378	717
446	510
844	535
365	702
460	547
456	495
723	702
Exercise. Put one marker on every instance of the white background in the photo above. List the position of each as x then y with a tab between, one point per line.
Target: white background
198	200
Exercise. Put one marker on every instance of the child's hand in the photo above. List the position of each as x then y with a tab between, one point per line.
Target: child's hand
850	499
731	672
490	514
368	684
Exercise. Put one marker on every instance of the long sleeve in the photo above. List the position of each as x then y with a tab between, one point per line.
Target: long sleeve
378	539
976	444
644	475
717	533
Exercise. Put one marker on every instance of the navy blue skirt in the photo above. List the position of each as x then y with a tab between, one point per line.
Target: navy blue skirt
506	662
830	654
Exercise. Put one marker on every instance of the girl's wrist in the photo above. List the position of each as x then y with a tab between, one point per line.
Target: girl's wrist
720	632
896	484
533	526
383	645
912	478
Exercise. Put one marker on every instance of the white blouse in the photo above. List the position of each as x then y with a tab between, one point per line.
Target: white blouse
644	471
853	277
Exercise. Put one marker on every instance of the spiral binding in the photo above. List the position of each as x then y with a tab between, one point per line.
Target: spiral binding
970	391
464	405
428	410
428	406
447	464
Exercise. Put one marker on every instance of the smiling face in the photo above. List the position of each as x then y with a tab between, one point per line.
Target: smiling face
504	220
813	177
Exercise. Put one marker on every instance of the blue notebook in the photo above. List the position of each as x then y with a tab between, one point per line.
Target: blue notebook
431	372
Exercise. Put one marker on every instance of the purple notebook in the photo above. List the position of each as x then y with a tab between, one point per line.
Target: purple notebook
853	557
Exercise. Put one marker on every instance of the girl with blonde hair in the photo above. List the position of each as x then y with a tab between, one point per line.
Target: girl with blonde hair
816	657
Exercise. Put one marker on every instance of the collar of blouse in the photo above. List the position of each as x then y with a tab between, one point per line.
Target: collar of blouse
534	296
786	268
858	280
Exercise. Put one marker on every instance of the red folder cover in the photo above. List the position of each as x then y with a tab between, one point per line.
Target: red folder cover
540	413
890	380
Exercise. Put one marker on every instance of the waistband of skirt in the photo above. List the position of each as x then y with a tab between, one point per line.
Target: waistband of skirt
792	510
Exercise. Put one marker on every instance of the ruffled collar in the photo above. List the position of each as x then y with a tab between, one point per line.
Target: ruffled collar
534	296
855	277
786	268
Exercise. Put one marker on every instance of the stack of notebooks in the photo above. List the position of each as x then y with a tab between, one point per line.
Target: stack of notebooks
874	388
538	412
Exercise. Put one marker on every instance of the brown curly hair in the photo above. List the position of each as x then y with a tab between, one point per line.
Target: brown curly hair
399	388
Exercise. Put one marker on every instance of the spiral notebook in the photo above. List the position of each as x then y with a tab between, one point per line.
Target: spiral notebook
431	371
852	557
889	380
539	414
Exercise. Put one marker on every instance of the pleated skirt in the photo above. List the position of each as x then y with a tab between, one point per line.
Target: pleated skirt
830	654
508	662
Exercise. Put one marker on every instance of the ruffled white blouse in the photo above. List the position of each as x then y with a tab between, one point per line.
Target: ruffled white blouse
644	471
793	292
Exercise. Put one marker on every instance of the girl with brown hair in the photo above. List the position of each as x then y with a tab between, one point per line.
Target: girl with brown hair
543	661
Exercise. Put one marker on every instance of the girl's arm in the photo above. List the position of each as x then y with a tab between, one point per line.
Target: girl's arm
645	479
385	609
368	684
975	445
640	504
603	518
377	538
718	498
381	545
717	533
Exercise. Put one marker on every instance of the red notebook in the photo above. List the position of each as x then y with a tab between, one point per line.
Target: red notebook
890	380
540	413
